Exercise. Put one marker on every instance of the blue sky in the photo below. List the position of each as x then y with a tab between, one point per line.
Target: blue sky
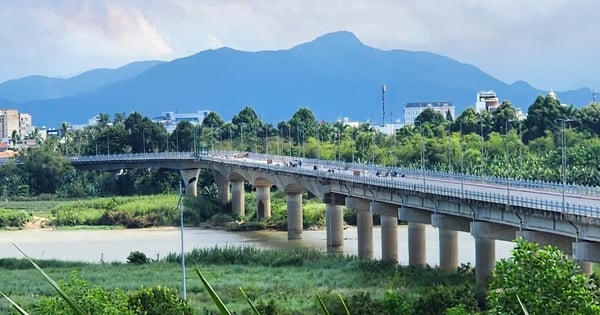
548	43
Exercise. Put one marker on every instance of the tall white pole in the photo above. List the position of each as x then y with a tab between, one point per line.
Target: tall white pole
180	206
183	287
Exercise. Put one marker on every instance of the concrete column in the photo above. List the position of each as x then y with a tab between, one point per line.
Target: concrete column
389	238
586	267
585	252
364	225
334	221
263	201
222	187
294	216
416	244
485	260
187	176
485	235
448	249
237	199
448	226
364	231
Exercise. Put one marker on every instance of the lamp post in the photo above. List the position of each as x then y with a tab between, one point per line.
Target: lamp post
422	151
564	159
462	164
180	206
482	141
449	148
507	161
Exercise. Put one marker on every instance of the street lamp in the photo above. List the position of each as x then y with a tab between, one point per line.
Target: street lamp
462	164
422	151
564	159
180	206
507	160
449	148
482	141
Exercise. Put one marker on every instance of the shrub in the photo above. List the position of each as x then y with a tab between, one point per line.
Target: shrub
14	218
438	299
93	300
137	257
158	300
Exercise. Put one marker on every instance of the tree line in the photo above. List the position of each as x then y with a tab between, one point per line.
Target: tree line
552	137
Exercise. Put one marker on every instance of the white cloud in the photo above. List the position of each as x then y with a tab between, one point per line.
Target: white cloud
551	44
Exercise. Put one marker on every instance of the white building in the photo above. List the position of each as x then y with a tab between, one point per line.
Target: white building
487	100
412	110
170	119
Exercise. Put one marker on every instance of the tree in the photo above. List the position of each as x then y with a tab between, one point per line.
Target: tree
430	116
545	114
212	120
544	279
505	114
46	169
589	117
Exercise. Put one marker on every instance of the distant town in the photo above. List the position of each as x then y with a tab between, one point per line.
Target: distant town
17	129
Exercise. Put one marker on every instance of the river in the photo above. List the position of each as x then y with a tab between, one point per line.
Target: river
115	245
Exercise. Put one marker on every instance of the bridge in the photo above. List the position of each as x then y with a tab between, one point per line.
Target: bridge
566	216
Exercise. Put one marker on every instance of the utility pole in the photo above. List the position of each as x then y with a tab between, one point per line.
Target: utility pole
383	105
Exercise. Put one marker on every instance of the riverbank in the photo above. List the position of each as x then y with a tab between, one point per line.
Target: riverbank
96	246
282	281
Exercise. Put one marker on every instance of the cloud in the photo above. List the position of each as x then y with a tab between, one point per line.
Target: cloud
68	38
551	44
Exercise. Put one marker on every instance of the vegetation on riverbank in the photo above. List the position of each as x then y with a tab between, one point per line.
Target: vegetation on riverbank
542	280
278	281
155	210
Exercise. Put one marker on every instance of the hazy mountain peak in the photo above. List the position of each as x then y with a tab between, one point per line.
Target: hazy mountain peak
335	40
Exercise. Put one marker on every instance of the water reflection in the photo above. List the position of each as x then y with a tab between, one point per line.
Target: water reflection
115	245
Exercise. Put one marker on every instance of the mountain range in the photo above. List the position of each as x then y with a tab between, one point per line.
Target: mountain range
335	75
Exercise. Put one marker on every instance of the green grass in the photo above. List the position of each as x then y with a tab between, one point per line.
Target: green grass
291	285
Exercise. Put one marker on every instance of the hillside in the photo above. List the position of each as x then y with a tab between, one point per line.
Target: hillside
335	75
43	88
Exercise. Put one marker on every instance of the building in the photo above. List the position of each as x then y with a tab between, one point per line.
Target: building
412	110
11	120
170	119
487	100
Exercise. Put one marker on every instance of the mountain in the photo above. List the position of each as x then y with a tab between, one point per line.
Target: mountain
334	75
44	88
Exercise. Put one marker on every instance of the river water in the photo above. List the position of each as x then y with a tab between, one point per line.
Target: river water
115	245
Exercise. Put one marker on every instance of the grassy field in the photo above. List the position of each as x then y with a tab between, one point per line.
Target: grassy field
289	280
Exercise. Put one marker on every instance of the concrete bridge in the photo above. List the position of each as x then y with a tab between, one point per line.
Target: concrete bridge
566	216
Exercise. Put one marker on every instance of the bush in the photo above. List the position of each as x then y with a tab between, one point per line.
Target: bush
439	298
158	300
13	218
137	257
93	300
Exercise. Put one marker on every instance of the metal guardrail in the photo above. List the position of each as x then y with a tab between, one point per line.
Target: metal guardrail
589	206
342	172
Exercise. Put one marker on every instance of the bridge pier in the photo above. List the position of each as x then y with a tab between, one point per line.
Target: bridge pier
416	244
190	189
334	221
389	229
448	226
294	215
263	202
565	244
485	235
364	226
222	187
417	219
584	253
237	198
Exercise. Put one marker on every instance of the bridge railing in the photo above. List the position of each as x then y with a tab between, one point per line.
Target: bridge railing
415	172
342	172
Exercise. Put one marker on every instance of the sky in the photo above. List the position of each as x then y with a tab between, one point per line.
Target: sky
551	44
